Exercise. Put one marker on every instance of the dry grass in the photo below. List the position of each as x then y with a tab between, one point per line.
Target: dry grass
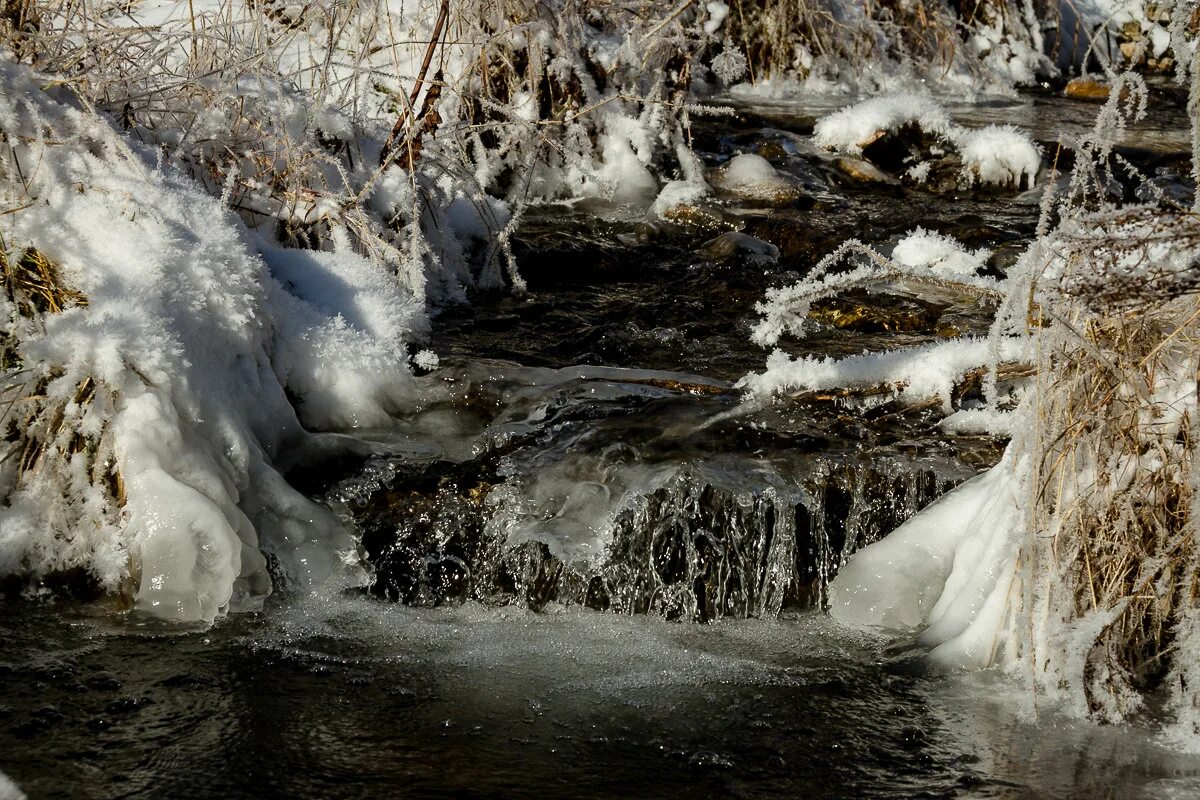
1115	449
34	285
924	34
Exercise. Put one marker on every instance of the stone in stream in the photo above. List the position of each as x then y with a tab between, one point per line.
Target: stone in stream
751	178
863	171
1088	89
735	243
701	217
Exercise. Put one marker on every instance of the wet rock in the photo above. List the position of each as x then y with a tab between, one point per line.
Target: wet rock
939	176
1088	89
735	243
899	150
701	217
751	178
1005	257
863	171
773	149
795	234
897	315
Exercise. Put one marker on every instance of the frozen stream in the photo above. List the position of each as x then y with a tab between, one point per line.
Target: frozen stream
593	576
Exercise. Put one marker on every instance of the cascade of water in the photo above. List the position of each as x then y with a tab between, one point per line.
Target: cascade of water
696	544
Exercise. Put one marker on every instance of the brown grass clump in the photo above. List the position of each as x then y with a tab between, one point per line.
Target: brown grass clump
34	285
1115	450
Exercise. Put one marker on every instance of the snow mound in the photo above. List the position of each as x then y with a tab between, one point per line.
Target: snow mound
855	127
1000	155
177	376
751	177
677	194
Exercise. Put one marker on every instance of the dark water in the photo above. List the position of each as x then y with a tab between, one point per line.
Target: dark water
350	698
543	522
353	698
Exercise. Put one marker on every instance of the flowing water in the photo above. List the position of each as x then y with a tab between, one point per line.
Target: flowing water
595	572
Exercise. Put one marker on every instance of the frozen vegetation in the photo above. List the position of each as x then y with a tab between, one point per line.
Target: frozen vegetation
227	225
1071	563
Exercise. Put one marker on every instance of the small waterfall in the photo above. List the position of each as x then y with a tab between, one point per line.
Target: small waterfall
618	491
688	542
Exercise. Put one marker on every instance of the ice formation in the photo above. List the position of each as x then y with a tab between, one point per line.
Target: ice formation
940	254
750	176
948	570
995	155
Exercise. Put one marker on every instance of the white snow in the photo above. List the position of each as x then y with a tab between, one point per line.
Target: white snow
191	339
717	12
940	254
996	155
856	126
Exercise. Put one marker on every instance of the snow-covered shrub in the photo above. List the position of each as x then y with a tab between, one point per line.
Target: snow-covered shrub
152	360
404	123
1073	562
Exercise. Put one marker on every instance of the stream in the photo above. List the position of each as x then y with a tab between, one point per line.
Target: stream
595	572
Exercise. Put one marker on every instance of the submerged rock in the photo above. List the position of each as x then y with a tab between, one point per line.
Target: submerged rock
700	217
735	243
877	318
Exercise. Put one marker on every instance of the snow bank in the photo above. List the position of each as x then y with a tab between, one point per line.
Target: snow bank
193	344
994	155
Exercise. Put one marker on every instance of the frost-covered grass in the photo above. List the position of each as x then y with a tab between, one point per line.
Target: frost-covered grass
1072	562
836	45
